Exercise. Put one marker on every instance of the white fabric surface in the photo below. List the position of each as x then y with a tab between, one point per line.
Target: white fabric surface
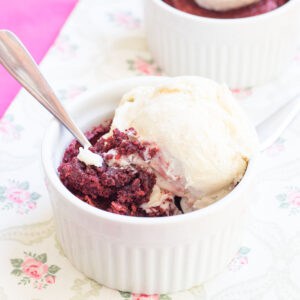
102	41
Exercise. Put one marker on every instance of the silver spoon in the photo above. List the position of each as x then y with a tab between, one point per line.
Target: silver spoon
19	63
270	129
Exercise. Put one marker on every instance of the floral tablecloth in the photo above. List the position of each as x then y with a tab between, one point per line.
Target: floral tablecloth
102	41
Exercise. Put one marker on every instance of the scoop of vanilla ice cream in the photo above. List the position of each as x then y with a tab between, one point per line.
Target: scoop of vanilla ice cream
223	5
204	137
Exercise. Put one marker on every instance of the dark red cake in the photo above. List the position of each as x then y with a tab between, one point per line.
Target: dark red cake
261	7
114	187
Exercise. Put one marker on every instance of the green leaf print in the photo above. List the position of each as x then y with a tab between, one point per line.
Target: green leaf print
23	185
130	65
2	189
24	280
35	196
244	250
284	205
42	257
18	127
16	262
281	197
164	297
125	295
9	117
53	269
16	272
29	254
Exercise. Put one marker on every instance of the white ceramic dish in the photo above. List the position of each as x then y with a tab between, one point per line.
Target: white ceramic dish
240	52
149	255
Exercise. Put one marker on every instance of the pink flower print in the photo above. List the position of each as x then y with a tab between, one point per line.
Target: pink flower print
76	91
18	195
243	260
242	93
125	19
34	268
8	130
144	297
144	66
234	264
71	93
138	296
50	279
39	285
276	148
31	205
240	260
294	198
290	200
4	126
65	47
297	56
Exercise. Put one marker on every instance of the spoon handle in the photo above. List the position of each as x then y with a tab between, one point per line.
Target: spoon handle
270	129
19	63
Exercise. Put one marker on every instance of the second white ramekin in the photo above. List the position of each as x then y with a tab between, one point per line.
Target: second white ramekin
239	52
137	254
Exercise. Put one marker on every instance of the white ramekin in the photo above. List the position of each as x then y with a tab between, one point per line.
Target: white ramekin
149	255
240	52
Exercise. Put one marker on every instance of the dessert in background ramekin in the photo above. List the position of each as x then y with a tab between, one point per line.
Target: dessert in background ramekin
226	9
242	52
149	255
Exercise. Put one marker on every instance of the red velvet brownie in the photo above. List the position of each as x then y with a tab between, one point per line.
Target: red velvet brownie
115	187
261	7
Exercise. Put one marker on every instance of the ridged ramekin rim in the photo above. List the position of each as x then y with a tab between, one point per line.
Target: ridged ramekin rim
199	19
52	176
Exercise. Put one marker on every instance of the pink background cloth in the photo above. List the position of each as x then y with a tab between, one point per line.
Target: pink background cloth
36	23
